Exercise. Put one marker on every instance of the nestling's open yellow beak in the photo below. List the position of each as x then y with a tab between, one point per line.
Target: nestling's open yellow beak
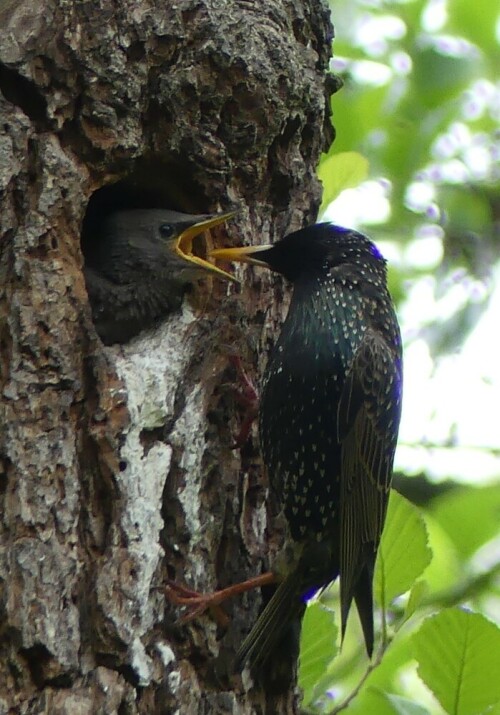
184	244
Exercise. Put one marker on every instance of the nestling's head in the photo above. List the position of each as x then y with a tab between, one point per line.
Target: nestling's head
139	244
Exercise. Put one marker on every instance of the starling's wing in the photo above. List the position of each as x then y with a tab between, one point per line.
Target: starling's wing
367	424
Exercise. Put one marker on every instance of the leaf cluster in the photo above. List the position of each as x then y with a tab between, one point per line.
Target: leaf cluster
418	113
437	651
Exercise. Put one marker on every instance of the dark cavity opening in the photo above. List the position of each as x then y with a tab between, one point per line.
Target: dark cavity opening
152	185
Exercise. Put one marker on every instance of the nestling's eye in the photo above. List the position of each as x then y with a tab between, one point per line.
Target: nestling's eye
166	230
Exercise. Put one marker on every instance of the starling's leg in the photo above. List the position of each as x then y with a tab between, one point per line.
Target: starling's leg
248	397
198	603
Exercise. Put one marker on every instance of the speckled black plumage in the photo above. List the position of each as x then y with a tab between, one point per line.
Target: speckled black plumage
329	418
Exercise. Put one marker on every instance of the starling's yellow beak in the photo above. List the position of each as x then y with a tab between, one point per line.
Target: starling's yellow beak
241	254
184	244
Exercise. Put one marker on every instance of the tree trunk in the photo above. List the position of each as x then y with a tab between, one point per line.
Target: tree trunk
116	468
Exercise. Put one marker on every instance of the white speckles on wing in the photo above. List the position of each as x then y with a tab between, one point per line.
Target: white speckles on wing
327	322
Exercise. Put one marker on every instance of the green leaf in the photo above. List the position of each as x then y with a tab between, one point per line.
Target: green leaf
478	26
403	706
469	515
375	701
356	112
445	570
417	594
318	647
465	210
438	77
339	172
403	553
458	654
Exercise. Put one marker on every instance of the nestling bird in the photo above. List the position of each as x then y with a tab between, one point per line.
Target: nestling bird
328	423
138	266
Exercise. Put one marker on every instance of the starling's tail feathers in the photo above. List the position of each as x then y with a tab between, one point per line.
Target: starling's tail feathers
363	596
285	606
358	586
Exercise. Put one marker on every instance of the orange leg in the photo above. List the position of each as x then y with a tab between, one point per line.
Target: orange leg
197	603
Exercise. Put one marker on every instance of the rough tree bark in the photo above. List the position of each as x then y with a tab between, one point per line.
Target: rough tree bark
115	463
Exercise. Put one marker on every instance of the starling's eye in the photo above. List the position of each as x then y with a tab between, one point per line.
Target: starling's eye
166	230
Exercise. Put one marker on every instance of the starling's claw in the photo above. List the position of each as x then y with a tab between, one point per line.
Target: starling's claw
180	594
197	603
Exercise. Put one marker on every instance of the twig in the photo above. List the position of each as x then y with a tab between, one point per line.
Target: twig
343	705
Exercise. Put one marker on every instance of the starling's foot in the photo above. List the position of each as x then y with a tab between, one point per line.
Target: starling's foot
248	398
197	603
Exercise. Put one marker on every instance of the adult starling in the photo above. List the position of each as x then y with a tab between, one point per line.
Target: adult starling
329	417
138	265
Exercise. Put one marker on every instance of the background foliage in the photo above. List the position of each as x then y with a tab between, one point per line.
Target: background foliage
416	164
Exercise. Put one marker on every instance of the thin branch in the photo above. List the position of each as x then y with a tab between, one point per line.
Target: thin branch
378	659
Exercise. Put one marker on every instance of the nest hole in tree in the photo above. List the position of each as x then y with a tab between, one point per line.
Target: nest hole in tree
152	185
